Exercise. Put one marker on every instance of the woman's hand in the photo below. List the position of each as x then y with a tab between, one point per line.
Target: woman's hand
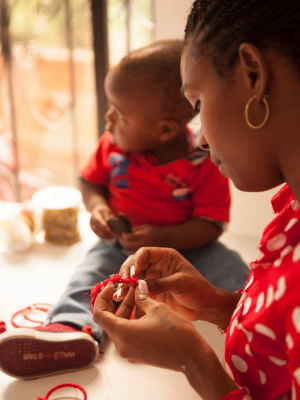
144	340
175	282
163	338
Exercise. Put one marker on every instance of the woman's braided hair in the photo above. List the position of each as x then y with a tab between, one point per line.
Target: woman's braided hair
220	26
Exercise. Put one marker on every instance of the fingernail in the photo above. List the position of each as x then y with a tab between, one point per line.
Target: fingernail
132	270
122	285
143	288
119	293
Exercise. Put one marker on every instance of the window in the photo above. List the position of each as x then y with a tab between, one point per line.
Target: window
51	104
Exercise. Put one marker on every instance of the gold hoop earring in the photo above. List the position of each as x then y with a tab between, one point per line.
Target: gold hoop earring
266	116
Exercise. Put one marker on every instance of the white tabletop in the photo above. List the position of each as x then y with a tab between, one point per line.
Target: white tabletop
41	275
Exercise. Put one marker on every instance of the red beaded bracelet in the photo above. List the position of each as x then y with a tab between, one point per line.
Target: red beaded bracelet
116	278
63	385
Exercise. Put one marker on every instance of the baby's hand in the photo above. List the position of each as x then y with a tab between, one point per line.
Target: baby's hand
141	236
99	214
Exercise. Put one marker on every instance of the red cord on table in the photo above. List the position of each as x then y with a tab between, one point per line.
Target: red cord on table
41	307
73	385
116	278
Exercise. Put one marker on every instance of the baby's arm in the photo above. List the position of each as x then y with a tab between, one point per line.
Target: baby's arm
195	232
93	195
95	198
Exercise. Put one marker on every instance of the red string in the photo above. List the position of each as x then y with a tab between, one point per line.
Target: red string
85	329
73	385
41	307
116	278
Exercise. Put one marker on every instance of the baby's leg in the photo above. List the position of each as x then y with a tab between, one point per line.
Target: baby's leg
74	307
60	346
219	265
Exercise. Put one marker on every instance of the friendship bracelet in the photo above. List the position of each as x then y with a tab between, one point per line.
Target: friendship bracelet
116	278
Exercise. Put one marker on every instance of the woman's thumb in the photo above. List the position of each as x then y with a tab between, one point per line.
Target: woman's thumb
143	300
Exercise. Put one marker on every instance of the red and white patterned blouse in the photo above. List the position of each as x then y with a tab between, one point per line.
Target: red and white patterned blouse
263	339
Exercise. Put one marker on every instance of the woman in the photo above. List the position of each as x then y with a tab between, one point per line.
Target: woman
241	68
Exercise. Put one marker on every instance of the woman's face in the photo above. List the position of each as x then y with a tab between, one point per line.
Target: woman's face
242	154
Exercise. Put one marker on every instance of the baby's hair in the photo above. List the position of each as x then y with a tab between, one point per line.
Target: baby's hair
220	26
157	68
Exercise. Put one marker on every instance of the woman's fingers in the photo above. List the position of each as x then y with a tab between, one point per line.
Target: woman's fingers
121	292
143	301
152	263
103	313
170	284
145	257
127	306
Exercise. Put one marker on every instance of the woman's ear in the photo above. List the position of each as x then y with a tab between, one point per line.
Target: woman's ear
254	69
168	130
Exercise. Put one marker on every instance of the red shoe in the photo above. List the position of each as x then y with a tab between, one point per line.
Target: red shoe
33	353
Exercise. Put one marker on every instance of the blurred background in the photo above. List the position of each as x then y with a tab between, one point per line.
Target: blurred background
54	57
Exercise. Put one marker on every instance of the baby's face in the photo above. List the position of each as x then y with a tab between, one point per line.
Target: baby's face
132	117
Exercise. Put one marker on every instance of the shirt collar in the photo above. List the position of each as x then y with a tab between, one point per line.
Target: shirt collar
282	199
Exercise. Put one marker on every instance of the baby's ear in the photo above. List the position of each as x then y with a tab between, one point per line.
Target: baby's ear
168	130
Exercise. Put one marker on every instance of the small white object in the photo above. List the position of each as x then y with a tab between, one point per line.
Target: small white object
119	293
15	236
132	270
